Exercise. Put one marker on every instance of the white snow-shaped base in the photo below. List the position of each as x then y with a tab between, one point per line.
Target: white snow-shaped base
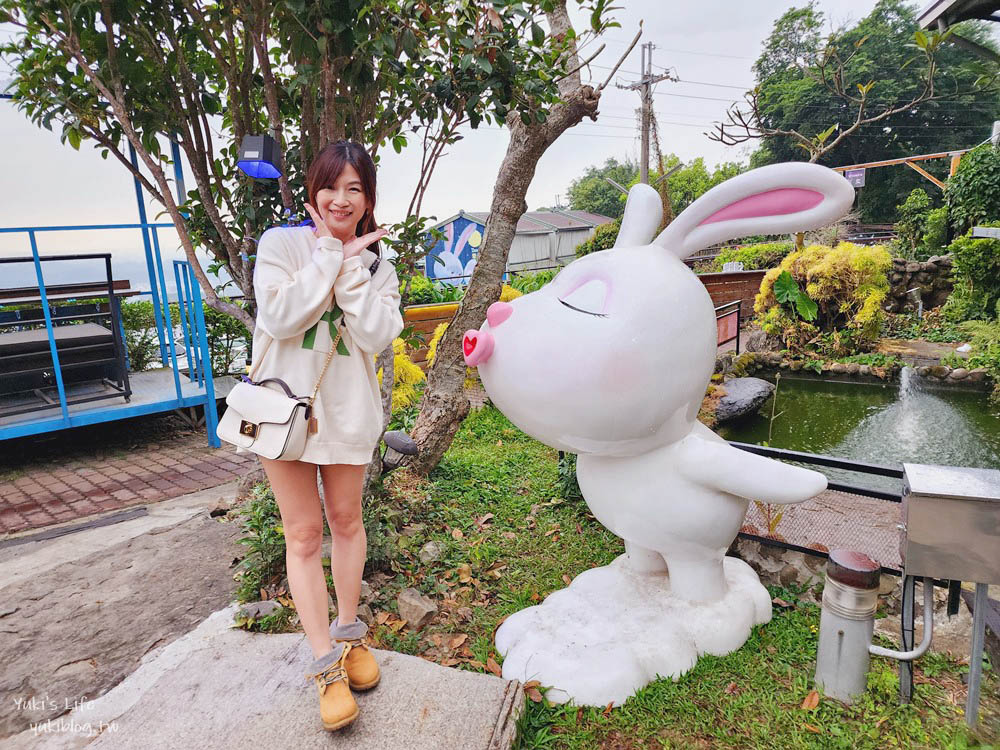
614	630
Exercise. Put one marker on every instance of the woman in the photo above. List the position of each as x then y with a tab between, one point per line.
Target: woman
313	283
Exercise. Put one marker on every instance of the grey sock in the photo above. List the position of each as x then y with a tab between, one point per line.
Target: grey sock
327	659
356	629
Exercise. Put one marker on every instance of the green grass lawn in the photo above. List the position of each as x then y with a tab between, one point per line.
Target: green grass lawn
508	541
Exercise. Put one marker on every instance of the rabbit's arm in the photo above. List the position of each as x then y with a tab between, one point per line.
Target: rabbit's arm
718	465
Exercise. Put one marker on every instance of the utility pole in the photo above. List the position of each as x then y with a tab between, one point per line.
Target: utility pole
645	88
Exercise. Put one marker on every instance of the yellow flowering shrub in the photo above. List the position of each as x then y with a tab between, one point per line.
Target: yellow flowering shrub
507	293
471	381
406	376
848	282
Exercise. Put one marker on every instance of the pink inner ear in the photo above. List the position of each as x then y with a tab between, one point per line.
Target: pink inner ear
772	203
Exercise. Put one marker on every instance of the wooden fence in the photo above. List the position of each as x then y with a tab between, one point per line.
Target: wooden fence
425	318
735	285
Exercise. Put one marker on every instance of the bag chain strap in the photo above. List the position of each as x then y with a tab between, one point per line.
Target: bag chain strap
329	357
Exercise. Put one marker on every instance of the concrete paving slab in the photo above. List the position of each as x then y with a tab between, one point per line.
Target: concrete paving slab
221	687
79	611
29	558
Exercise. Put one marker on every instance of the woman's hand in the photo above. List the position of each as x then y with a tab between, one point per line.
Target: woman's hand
354	245
321	229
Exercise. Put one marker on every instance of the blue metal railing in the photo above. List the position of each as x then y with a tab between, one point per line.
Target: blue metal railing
192	322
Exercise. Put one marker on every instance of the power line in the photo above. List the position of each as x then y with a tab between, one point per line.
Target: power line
679	80
682	51
672	114
956	103
880	125
718	85
854	137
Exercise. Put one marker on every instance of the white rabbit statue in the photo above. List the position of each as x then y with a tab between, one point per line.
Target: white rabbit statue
610	361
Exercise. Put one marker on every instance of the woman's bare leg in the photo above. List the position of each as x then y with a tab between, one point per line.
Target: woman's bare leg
295	489
342	485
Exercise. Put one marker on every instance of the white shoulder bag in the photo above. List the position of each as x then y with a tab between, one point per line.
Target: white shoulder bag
268	422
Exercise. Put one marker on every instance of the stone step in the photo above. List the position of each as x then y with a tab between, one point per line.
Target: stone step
222	687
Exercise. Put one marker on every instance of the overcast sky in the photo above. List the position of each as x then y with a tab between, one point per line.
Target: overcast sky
710	45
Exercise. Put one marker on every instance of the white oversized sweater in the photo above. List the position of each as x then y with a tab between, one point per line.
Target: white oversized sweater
305	291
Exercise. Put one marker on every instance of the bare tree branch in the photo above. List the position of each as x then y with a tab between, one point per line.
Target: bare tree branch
828	71
621	60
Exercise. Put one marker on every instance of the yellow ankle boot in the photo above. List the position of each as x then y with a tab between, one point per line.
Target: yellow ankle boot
337	707
362	669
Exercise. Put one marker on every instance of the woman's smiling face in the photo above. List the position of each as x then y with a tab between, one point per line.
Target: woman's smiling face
343	205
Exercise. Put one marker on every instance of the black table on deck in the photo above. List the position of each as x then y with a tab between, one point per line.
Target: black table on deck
88	339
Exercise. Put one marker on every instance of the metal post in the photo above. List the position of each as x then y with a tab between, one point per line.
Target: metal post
149	258
644	71
57	368
175	152
121	332
121	351
187	323
201	366
166	315
211	414
847	620
976	656
906	626
995	135
739	310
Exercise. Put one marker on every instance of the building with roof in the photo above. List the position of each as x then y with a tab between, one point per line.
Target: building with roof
542	239
941	15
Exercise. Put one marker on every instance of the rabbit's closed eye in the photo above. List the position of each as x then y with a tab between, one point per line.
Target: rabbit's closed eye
589	296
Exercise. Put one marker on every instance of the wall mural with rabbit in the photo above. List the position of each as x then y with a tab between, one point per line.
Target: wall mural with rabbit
455	255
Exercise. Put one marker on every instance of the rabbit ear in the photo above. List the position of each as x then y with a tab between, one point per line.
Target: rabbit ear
643	214
790	197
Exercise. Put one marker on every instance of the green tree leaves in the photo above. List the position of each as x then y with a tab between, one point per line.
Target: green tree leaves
884	63
973	193
310	71
592	192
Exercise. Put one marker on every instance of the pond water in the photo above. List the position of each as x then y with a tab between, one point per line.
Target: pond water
883	424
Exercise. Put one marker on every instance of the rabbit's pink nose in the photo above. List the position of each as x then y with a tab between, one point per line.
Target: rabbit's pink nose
497	313
477	346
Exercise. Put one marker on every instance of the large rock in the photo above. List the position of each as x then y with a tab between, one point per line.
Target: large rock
758	341
92	604
258	609
978	375
259	697
743	396
431	552
415	608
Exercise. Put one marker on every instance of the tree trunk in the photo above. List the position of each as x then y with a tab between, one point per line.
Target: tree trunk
386	362
445	403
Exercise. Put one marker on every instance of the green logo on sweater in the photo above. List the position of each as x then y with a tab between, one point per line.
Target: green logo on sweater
331	317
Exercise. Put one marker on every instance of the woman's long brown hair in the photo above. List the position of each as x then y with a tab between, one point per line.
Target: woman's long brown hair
325	170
